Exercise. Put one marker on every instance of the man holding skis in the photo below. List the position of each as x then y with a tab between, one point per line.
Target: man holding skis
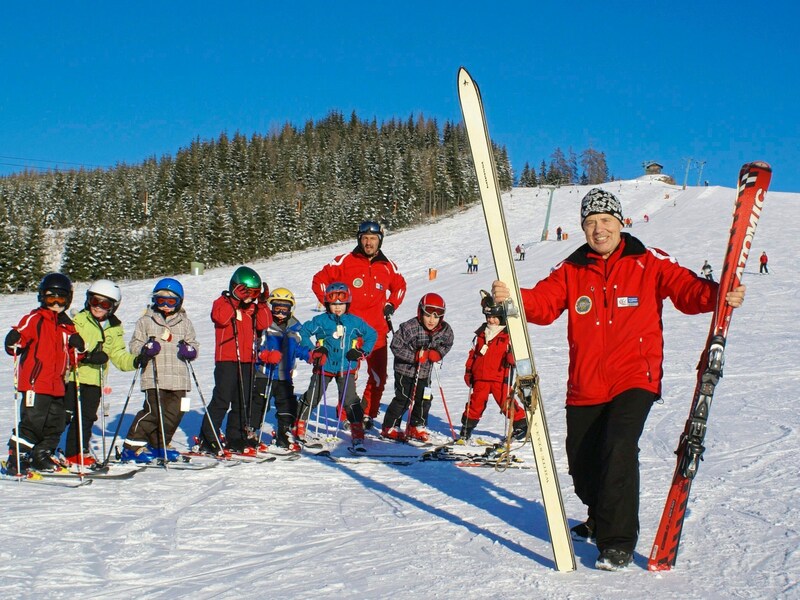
378	289
613	288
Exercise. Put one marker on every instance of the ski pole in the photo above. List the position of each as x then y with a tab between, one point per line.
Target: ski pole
103	406
158	409
444	402
413	393
122	414
340	404
205	408
17	408
78	411
243	411
267	394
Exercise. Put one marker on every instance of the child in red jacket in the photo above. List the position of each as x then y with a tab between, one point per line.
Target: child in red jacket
488	371
44	345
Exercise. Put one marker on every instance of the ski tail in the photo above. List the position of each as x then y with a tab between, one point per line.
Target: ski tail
753	183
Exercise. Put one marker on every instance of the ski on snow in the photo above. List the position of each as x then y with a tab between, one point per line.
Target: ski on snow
752	187
527	383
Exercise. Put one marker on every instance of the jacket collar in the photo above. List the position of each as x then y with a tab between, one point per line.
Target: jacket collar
629	246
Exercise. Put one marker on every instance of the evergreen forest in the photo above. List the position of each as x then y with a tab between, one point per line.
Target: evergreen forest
235	199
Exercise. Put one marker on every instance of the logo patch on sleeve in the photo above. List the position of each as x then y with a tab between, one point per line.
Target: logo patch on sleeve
628	301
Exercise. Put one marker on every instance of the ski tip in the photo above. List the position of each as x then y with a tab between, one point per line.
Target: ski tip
464	78
759	164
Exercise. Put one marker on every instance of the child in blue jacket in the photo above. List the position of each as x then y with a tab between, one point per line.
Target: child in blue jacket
278	353
342	340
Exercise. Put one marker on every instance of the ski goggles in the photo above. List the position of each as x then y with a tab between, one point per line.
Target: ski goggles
53	299
433	311
337	297
100	302
281	310
243	292
165	301
370	227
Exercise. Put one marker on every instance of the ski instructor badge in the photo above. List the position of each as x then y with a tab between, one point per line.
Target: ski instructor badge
583	305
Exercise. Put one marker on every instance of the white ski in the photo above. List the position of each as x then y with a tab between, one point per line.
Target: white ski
527	383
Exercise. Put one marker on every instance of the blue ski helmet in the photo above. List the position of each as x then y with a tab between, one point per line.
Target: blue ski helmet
337	293
170	285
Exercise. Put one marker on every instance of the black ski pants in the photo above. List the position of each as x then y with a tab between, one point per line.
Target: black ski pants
40	425
90	402
232	391
403	390
603	454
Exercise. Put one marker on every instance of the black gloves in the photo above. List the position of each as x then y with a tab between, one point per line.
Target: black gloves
355	354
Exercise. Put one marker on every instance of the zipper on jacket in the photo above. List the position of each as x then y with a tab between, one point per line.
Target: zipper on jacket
594	303
613	304
646	362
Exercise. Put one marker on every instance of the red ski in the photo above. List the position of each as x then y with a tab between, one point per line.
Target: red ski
754	180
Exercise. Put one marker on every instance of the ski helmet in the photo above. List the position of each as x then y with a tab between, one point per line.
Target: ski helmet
281	301
55	285
490	309
371	228
337	293
169	285
431	304
245	277
281	296
107	289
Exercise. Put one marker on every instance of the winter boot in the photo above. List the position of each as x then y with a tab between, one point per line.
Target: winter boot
584	532
88	459
172	454
138	455
393	433
419	434
357	432
11	463
465	434
520	430
300	430
42	459
613	559
369	423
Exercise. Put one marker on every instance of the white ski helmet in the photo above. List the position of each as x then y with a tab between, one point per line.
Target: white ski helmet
107	289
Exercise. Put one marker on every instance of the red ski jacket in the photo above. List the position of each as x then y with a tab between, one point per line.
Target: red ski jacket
487	361
250	319
373	284
45	352
614	330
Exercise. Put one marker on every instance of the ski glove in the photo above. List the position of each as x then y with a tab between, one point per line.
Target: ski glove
355	353
270	357
186	353
434	355
468	378
508	360
388	310
319	356
12	343
76	341
96	356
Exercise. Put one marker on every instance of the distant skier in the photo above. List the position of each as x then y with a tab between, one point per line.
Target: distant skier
763	260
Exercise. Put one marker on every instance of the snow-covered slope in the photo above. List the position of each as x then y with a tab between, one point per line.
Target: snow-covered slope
318	529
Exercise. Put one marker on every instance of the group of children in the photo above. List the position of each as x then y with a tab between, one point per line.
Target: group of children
60	365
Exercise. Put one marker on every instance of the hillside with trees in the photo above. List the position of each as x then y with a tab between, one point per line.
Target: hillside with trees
236	199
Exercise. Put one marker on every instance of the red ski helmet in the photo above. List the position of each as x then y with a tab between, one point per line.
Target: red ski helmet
431	304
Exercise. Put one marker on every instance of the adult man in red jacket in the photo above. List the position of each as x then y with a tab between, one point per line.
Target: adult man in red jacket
613	288
378	289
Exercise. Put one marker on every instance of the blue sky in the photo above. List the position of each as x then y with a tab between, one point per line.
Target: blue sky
95	84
